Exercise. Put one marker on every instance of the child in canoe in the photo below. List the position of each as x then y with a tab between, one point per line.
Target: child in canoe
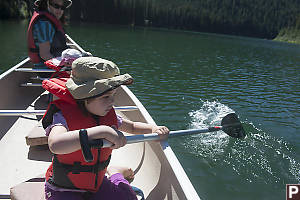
83	112
62	64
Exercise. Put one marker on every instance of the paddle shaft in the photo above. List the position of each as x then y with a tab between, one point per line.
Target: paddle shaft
42	112
154	136
230	125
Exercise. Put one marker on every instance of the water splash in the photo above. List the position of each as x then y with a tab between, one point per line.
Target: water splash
210	114
260	157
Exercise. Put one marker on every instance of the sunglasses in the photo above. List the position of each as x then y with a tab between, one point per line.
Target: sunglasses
57	6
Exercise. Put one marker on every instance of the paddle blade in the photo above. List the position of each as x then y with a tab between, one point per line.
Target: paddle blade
232	126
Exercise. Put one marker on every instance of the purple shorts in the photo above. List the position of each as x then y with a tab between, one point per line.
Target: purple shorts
114	188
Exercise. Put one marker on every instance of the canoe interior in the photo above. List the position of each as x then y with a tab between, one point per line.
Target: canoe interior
14	96
158	172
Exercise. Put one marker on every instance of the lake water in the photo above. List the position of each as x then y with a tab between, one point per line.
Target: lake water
191	80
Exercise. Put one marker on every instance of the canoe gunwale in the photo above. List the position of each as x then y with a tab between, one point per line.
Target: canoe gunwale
6	73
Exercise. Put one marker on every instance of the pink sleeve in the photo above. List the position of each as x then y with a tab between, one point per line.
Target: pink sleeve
120	120
58	120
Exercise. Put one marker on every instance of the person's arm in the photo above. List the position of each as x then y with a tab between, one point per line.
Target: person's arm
43	33
142	128
44	50
61	141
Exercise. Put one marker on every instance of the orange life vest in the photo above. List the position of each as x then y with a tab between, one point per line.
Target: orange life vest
59	41
71	170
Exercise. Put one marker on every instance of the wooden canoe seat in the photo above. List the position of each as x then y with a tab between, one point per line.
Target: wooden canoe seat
37	136
33	189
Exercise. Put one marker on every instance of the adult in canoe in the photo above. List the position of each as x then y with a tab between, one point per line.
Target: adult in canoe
45	35
85	112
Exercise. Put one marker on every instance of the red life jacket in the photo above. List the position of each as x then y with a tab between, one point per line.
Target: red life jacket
60	71
58	43
71	170
57	86
49	63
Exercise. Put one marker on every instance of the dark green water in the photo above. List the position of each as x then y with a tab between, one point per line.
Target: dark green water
191	80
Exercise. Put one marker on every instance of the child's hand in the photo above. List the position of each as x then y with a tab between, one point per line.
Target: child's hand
162	131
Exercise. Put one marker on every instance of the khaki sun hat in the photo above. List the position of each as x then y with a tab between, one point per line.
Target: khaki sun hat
93	76
68	3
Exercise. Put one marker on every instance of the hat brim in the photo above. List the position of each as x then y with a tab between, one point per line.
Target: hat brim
69	2
95	88
37	3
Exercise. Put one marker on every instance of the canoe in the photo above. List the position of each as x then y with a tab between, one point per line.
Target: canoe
158	173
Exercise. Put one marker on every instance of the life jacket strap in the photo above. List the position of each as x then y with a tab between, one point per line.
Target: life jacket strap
65	69
76	167
34	50
48	117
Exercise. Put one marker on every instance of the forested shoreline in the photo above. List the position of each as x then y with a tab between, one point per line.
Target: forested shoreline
256	18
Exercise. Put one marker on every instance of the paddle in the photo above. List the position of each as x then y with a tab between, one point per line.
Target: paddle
230	124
